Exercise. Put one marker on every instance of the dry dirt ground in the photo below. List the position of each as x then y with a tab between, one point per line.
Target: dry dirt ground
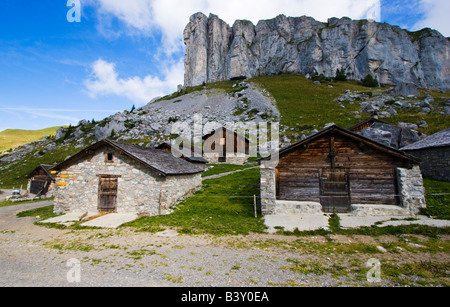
33	255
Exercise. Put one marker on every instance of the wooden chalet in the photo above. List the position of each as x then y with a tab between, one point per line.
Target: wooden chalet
336	169
225	146
40	180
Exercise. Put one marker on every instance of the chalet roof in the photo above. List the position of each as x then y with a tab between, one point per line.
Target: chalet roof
46	168
349	134
186	154
440	139
162	162
365	124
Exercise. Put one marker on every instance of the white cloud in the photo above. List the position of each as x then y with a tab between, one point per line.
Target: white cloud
435	16
171	16
39	112
106	81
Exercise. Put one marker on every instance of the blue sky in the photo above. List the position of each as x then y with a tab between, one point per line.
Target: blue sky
123	53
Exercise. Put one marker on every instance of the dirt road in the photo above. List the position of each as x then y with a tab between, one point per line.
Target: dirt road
33	255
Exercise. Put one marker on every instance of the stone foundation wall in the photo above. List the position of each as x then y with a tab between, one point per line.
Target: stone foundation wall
267	189
140	189
238	159
411	190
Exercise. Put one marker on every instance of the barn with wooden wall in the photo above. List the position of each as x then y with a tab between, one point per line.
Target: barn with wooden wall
225	146
40	180
337	170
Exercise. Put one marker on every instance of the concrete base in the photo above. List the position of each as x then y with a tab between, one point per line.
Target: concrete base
299	221
112	220
320	221
378	210
286	207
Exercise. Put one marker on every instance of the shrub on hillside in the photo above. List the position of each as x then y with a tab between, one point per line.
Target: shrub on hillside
370	81
340	75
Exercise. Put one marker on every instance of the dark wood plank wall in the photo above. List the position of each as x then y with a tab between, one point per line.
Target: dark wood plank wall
372	173
212	141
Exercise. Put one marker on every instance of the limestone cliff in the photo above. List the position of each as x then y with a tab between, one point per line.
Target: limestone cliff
301	45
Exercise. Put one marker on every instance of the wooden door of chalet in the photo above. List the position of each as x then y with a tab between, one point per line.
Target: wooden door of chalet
107	193
334	190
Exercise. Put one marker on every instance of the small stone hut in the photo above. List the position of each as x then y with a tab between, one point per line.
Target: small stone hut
434	151
337	170
225	146
40	180
116	177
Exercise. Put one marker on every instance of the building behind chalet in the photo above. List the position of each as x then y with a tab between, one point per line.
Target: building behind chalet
40	180
225	146
434	151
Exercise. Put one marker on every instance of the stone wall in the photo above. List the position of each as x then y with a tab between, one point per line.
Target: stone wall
411	190
410	186
435	162
140	189
238	159
267	189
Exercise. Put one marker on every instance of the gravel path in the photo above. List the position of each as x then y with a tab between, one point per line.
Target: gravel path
5	194
33	255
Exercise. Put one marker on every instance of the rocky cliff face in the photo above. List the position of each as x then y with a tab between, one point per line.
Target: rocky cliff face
216	52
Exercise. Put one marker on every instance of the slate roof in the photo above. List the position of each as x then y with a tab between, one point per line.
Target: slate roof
162	162
440	139
46	168
189	156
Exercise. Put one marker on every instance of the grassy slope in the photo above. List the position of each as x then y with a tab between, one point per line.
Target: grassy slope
306	106
223	206
303	106
12	138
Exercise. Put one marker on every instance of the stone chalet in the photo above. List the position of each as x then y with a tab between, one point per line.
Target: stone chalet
109	176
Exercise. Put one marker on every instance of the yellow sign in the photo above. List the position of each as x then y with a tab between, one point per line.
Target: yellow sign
53	172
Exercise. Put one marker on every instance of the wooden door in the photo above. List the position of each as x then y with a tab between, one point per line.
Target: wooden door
334	190
107	194
39	186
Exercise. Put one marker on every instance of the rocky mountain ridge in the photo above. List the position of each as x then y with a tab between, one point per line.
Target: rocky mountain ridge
216	51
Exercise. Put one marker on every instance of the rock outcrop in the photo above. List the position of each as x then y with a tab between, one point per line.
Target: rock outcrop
301	45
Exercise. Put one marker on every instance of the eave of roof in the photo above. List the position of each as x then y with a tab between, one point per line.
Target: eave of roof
125	149
351	135
439	139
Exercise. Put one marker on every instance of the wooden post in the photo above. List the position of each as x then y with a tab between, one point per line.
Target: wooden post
160	198
254	205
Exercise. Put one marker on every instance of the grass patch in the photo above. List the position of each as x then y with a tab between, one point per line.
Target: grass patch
437	198
44	213
223	206
8	203
301	103
223	168
12	138
424	273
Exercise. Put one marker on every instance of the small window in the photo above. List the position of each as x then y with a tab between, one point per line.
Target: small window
109	158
